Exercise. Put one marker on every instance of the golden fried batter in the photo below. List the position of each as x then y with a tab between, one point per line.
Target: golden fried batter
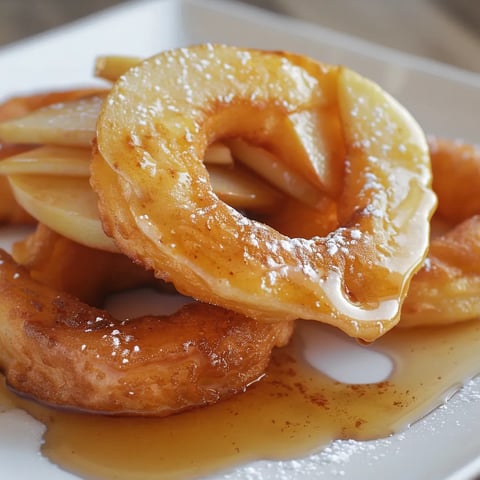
65	353
447	288
87	273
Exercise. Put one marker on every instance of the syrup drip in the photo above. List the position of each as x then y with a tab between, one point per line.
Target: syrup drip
295	410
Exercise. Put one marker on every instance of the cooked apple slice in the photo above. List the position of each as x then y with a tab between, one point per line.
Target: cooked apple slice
19	106
69	123
242	189
66	205
110	67
60	160
268	166
321	159
218	153
49	160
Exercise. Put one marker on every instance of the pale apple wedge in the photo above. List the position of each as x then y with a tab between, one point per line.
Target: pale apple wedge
235	185
21	105
69	123
321	134
110	67
49	160
218	153
269	167
66	205
242	189
72	124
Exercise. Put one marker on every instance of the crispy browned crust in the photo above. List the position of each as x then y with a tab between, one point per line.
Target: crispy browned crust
456	178
63	352
447	288
87	273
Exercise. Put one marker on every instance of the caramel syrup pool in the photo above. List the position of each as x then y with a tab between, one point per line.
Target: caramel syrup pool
294	410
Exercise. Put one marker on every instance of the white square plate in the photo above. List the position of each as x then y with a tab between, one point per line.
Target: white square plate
446	101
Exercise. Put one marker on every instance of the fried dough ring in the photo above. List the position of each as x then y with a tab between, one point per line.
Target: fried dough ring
456	178
67	354
447	288
88	274
156	201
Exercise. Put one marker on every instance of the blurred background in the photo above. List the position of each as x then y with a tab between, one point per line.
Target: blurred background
444	30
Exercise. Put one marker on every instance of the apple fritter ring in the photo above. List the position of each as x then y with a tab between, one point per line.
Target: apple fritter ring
456	178
447	288
157	203
65	353
87	273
